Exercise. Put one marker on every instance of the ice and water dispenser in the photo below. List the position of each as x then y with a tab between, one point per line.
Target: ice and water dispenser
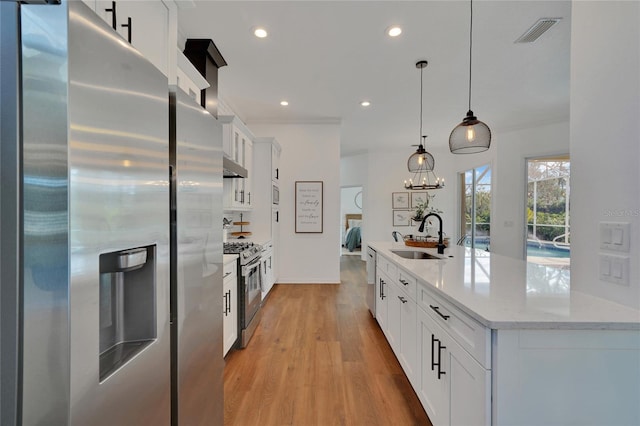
127	305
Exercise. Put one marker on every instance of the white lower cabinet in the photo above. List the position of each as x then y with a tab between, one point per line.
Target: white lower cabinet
382	294
433	390
230	306
408	343
432	340
454	388
396	312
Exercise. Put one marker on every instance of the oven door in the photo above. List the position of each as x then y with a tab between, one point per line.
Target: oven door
252	277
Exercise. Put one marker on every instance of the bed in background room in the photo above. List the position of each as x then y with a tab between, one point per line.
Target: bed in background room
352	236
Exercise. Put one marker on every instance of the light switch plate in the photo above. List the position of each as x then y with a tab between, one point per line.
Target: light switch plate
615	236
614	269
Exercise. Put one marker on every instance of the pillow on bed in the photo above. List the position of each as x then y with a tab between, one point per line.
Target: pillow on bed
354	222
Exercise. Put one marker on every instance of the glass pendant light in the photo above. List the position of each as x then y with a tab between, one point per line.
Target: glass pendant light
472	135
421	162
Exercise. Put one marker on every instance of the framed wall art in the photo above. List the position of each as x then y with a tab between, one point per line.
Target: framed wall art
399	200
418	198
401	217
309	205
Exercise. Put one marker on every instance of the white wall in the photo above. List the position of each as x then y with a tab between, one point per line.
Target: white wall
309	152
605	139
508	216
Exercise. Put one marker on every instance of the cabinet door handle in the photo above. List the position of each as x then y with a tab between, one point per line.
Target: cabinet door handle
404	282
277	173
433	361
224	296
227	274
381	288
128	27
112	9
440	348
437	311
433	344
229	301
277	216
249	195
402	299
235	197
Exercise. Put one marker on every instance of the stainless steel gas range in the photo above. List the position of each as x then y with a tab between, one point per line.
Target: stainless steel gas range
249	287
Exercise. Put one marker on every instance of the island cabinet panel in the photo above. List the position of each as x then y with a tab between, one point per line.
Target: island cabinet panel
471	335
507	352
580	377
394	322
433	391
454	388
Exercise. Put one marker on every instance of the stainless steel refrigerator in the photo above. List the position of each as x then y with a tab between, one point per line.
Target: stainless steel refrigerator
86	232
196	295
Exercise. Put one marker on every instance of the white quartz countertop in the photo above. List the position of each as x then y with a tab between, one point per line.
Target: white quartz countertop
226	258
505	293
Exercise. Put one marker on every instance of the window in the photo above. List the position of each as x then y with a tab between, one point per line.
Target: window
548	187
476	207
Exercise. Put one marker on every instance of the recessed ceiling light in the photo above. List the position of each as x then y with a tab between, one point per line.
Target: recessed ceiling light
284	103
260	32
365	103
394	31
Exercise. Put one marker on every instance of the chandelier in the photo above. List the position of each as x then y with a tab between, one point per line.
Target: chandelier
421	162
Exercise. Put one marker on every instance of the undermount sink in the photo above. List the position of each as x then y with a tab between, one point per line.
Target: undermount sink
414	254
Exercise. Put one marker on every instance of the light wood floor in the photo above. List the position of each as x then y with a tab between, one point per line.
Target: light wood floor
319	358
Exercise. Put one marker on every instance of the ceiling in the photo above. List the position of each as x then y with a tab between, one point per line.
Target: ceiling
325	57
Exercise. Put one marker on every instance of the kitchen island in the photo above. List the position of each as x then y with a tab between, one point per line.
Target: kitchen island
487	339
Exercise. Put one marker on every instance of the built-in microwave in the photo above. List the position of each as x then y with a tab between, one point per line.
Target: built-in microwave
275	195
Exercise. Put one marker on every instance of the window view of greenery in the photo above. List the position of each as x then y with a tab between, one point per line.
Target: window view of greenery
548	208
477	207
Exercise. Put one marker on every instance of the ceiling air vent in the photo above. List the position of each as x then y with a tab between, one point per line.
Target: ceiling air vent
537	29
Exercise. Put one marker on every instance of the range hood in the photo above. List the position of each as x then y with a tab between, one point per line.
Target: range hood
231	169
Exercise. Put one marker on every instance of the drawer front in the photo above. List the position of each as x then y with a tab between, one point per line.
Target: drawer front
408	283
387	267
466	331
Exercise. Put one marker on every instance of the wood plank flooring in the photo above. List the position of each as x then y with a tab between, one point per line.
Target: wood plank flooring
318	357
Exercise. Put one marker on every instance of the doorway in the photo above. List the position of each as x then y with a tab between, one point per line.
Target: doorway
475	214
548	232
351	220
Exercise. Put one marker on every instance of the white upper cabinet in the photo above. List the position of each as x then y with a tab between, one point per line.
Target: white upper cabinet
275	163
237	142
144	24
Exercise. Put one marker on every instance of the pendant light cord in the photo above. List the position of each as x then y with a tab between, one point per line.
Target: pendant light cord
470	47
421	70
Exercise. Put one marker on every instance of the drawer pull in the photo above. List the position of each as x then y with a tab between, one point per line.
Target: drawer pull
402	299
437	311
404	282
227	274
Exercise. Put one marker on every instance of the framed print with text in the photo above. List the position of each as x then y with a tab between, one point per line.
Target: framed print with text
309	205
